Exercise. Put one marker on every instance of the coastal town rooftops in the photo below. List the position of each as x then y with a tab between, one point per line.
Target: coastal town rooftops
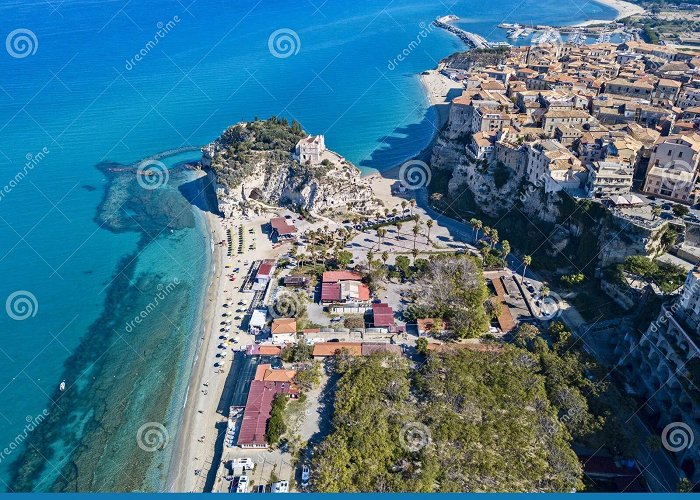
567	113
265	268
344	290
665	82
383	315
335	276
325	349
258	319
623	82
691	139
257	411
263	350
266	373
284	326
330	292
281	227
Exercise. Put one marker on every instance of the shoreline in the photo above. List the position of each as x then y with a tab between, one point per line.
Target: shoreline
624	9
436	88
182	464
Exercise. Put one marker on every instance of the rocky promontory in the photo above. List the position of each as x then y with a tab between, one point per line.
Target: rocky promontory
255	163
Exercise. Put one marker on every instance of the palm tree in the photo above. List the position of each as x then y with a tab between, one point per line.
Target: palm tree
412	202
544	290
494	237
414	252
403	205
430	223
476	225
398	229
370	257
656	211
380	234
416	230
385	256
527	260
505	249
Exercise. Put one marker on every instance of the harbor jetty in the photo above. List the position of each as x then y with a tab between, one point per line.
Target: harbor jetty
471	39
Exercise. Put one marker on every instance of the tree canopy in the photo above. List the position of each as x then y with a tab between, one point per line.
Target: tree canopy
464	421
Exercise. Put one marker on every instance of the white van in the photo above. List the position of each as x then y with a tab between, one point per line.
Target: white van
242	485
280	487
246	463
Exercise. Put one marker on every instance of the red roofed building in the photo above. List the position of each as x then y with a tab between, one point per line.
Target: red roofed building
344	291
337	276
264	272
330	292
383	315
281	229
257	411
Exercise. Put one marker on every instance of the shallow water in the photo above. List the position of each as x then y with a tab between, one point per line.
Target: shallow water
78	103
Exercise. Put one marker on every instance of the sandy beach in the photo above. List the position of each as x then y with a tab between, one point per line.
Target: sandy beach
440	91
189	454
201	425
624	9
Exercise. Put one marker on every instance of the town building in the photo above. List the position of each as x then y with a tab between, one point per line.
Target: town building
266	384
673	168
310	149
281	230
607	179
284	331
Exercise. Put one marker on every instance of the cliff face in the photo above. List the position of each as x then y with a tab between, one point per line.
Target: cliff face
584	232
253	162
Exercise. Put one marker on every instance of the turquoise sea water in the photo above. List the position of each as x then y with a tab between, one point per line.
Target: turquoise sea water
82	100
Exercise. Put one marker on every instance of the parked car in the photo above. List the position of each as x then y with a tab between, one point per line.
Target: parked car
280	487
242	485
305	474
246	463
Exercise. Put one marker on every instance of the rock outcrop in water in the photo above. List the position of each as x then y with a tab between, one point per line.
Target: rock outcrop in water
253	162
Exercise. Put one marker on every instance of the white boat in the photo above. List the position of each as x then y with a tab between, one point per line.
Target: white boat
62	386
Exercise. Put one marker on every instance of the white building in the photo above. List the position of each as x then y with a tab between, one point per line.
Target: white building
607	179
257	322
310	149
